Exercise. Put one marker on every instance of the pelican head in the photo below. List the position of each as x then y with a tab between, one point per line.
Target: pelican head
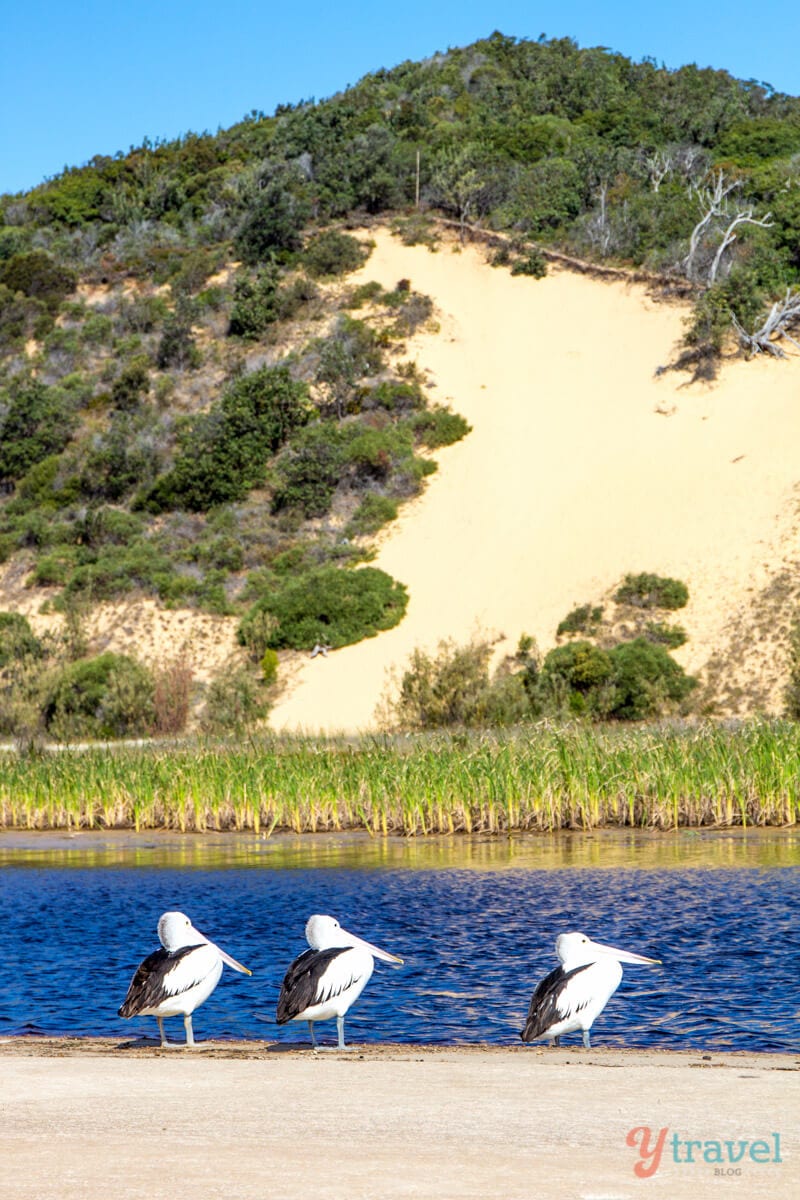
577	950
325	933
176	932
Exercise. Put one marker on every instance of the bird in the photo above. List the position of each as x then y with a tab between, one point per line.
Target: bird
326	980
573	995
174	980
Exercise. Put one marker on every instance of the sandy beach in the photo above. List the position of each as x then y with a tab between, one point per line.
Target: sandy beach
103	1120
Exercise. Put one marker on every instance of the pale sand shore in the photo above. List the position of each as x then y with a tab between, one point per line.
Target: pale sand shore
99	1120
582	465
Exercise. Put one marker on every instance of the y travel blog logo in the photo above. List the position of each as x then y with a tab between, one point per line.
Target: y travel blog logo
727	1157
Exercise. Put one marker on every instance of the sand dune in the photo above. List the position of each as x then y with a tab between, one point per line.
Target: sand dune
582	465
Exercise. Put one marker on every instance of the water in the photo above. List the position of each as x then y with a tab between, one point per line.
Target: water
474	920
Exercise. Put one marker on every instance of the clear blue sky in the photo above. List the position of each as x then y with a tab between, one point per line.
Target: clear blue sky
94	77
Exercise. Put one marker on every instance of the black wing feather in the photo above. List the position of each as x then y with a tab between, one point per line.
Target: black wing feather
543	1011
146	989
299	987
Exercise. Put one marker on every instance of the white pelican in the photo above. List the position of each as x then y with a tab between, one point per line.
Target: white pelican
325	980
173	981
574	995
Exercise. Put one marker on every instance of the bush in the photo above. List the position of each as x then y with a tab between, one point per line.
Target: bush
39	276
269	666
17	639
533	263
130	386
172	688
279	212
582	619
439	426
38	422
255	304
330	605
177	346
334	253
652	591
234	703
577	678
107	696
448	688
646	680
373	512
662	634
223	454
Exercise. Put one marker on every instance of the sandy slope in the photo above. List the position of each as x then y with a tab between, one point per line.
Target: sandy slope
582	465
246	1123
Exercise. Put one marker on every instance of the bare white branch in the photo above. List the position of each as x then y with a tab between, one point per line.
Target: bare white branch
783	315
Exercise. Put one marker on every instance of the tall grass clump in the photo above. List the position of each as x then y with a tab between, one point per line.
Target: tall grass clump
549	777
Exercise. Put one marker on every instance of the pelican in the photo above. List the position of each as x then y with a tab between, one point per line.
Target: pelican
173	981
573	995
325	980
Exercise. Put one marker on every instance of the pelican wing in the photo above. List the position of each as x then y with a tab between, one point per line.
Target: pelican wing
555	998
304	983
162	974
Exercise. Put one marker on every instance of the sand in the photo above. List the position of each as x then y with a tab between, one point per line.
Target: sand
582	465
96	1121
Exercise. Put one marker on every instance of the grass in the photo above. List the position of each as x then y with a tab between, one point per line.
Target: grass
543	779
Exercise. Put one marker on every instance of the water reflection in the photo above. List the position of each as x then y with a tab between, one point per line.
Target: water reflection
358	851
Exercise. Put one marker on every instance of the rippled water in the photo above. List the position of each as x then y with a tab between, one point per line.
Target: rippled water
75	922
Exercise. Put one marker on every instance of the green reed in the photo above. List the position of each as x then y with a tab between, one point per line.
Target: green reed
541	778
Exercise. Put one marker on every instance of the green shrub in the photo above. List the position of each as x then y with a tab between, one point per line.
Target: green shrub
36	274
652	591
334	253
578	678
223	453
17	639
38	422
292	296
349	354
582	619
646	680
532	263
278	214
365	293
662	634
439	426
396	396
130	386
177	346
332	606
234	704
446	688
309	472
255	303
269	666
373	512
107	696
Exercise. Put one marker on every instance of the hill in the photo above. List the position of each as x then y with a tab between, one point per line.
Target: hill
215	394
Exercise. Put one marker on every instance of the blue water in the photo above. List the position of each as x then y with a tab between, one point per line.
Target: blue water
475	944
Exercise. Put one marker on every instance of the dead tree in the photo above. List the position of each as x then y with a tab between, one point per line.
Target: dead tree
720	218
782	316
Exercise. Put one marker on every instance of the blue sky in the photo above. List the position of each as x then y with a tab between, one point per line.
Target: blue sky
96	77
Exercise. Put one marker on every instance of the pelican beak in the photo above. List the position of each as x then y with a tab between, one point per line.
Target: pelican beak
625	956
376	952
237	966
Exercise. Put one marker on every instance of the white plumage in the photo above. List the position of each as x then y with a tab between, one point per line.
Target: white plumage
176	979
329	977
572	996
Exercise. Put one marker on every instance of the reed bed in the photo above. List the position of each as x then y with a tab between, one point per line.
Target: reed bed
543	778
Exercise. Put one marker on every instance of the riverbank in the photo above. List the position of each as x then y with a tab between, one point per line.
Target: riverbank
99	1118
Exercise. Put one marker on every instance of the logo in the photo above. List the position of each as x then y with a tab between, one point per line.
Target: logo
727	1157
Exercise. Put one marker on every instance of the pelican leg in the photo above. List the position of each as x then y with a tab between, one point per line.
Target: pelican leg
164	1041
187	1025
587	1045
340	1031
311	1031
556	1041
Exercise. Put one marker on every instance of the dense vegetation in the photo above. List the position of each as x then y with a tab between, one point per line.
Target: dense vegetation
553	777
193	405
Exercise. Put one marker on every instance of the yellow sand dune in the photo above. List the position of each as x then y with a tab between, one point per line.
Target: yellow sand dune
582	465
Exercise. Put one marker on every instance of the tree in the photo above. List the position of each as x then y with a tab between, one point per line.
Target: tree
720	220
280	210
